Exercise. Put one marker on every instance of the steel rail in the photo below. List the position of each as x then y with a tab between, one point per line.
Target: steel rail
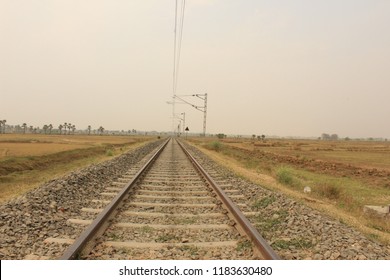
88	234
260	243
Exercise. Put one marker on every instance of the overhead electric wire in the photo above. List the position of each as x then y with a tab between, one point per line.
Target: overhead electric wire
174	51
178	37
180	40
177	41
196	107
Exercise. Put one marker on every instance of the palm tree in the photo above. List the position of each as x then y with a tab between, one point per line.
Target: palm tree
89	130
3	122
101	129
50	127
69	127
65	127
24	125
73	128
31	128
45	127
60	127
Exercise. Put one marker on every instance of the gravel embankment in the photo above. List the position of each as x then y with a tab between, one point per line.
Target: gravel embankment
296	231
25	222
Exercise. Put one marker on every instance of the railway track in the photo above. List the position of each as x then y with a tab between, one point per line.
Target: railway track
169	209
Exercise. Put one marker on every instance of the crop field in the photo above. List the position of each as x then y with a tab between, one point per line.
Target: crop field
359	153
343	176
27	160
13	145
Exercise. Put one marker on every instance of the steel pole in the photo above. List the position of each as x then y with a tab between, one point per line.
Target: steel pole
205	115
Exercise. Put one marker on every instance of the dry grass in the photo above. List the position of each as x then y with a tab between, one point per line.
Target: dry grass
9	150
365	154
19	145
290	165
32	160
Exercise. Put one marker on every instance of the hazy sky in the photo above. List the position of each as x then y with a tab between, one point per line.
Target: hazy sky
287	68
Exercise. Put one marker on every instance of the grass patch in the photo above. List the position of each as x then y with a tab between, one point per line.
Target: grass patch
284	175
192	250
269	223
166	238
215	146
109	153
244	246
186	220
146	229
113	236
331	192
264	202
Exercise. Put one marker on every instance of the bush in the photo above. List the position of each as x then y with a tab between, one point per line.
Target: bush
215	146
109	153
284	176
329	191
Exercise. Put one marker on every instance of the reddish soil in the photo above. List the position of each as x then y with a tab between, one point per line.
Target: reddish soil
374	176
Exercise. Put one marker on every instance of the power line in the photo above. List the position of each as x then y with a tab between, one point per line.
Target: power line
174	51
178	38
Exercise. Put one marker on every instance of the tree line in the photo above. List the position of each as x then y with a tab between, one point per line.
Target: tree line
62	129
65	128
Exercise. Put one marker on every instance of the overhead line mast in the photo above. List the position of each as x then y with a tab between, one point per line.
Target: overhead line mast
199	108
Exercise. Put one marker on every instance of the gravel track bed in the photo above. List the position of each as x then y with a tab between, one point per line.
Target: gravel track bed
160	215
242	251
25	222
193	220
173	188
175	209
294	230
202	200
87	215
149	234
